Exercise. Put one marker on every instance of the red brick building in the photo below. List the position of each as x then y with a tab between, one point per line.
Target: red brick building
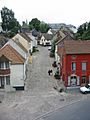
75	62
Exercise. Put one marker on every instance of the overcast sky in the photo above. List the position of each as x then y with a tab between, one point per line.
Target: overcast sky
73	12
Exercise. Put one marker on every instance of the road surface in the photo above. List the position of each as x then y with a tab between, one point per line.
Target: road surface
76	111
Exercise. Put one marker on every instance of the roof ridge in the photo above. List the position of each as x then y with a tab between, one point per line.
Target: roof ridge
15	52
20	45
25	36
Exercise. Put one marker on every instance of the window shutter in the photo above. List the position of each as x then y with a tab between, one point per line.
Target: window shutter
68	80
78	80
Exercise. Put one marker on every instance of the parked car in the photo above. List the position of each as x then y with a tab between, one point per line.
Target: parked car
85	89
49	48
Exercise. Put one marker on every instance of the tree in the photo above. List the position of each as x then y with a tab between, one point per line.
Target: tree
44	27
38	25
7	16
35	23
9	23
83	32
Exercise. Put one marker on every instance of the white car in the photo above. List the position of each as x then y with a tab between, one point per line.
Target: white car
49	48
85	89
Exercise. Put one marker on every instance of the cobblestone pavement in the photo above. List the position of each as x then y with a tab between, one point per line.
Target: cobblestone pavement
39	96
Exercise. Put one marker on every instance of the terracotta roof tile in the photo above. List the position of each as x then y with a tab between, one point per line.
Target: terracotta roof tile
77	47
11	54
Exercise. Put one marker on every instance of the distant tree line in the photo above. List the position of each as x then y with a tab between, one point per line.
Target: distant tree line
83	32
11	26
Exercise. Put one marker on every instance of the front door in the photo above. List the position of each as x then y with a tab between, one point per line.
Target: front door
2	82
73	81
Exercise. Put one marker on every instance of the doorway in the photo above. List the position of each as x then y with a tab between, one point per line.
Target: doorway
2	82
73	81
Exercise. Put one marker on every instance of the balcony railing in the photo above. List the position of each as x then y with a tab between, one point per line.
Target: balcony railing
4	71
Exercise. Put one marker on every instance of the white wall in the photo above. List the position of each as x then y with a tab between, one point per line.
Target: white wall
42	40
31	46
47	41
17	75
34	41
57	58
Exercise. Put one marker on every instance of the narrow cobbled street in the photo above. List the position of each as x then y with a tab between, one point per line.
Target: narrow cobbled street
38	79
39	97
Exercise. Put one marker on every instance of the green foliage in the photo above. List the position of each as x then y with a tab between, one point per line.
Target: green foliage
38	25
35	23
53	47
9	23
35	49
7	16
83	32
51	54
57	76
44	27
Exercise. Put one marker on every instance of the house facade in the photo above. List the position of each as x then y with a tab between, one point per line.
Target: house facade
4	72
12	69
75	63
60	44
33	41
46	39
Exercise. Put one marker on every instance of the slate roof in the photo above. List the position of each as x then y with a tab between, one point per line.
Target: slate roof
77	47
10	53
35	33
47	36
67	37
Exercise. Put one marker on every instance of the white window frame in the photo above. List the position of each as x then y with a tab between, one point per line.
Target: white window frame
84	66
73	66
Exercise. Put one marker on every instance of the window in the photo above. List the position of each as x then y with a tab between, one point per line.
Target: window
73	56
84	66
73	66
2	65
7	64
7	80
83	79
